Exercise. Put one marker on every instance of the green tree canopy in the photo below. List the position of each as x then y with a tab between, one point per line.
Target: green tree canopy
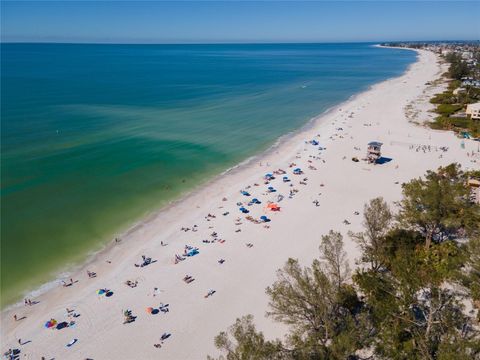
438	205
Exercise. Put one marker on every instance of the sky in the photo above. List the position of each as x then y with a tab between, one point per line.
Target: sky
237	21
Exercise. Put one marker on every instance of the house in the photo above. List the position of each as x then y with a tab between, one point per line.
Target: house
474	111
471	82
474	185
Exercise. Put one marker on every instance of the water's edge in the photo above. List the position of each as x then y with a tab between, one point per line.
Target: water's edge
125	230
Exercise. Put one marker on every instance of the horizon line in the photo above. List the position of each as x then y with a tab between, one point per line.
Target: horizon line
230	42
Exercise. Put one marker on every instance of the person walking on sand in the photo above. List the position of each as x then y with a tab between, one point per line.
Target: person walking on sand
15	317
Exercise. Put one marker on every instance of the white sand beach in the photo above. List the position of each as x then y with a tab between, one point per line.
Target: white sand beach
340	185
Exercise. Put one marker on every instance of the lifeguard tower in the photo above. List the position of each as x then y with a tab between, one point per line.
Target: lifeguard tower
374	151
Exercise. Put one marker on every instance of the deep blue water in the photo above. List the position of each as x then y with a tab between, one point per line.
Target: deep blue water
95	136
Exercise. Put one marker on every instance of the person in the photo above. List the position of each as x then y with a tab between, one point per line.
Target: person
15	317
19	341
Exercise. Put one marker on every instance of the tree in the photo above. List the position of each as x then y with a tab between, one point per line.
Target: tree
319	311
377	219
458	68
335	258
472	276
438	206
248	344
414	314
322	311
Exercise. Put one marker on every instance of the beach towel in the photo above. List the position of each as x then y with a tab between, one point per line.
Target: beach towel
71	343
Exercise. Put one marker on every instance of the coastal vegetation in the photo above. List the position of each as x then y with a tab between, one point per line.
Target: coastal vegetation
451	103
458	67
463	76
414	295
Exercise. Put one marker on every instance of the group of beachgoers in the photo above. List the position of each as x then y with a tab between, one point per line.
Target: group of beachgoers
264	198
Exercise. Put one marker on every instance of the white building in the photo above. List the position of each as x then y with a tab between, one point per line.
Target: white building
474	111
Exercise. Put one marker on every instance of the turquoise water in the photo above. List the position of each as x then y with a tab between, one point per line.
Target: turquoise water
96	136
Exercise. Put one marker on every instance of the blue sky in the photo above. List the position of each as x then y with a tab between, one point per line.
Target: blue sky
238	21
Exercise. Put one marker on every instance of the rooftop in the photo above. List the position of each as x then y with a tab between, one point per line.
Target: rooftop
475	106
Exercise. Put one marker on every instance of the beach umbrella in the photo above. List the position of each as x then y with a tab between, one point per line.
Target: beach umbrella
62	325
101	291
51	323
149	310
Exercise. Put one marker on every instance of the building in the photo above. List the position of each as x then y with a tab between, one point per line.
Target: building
468	82
474	111
474	185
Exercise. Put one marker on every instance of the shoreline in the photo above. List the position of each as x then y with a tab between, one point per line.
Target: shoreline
70	269
346	183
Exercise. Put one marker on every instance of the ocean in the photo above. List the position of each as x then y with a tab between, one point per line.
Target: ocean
94	136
